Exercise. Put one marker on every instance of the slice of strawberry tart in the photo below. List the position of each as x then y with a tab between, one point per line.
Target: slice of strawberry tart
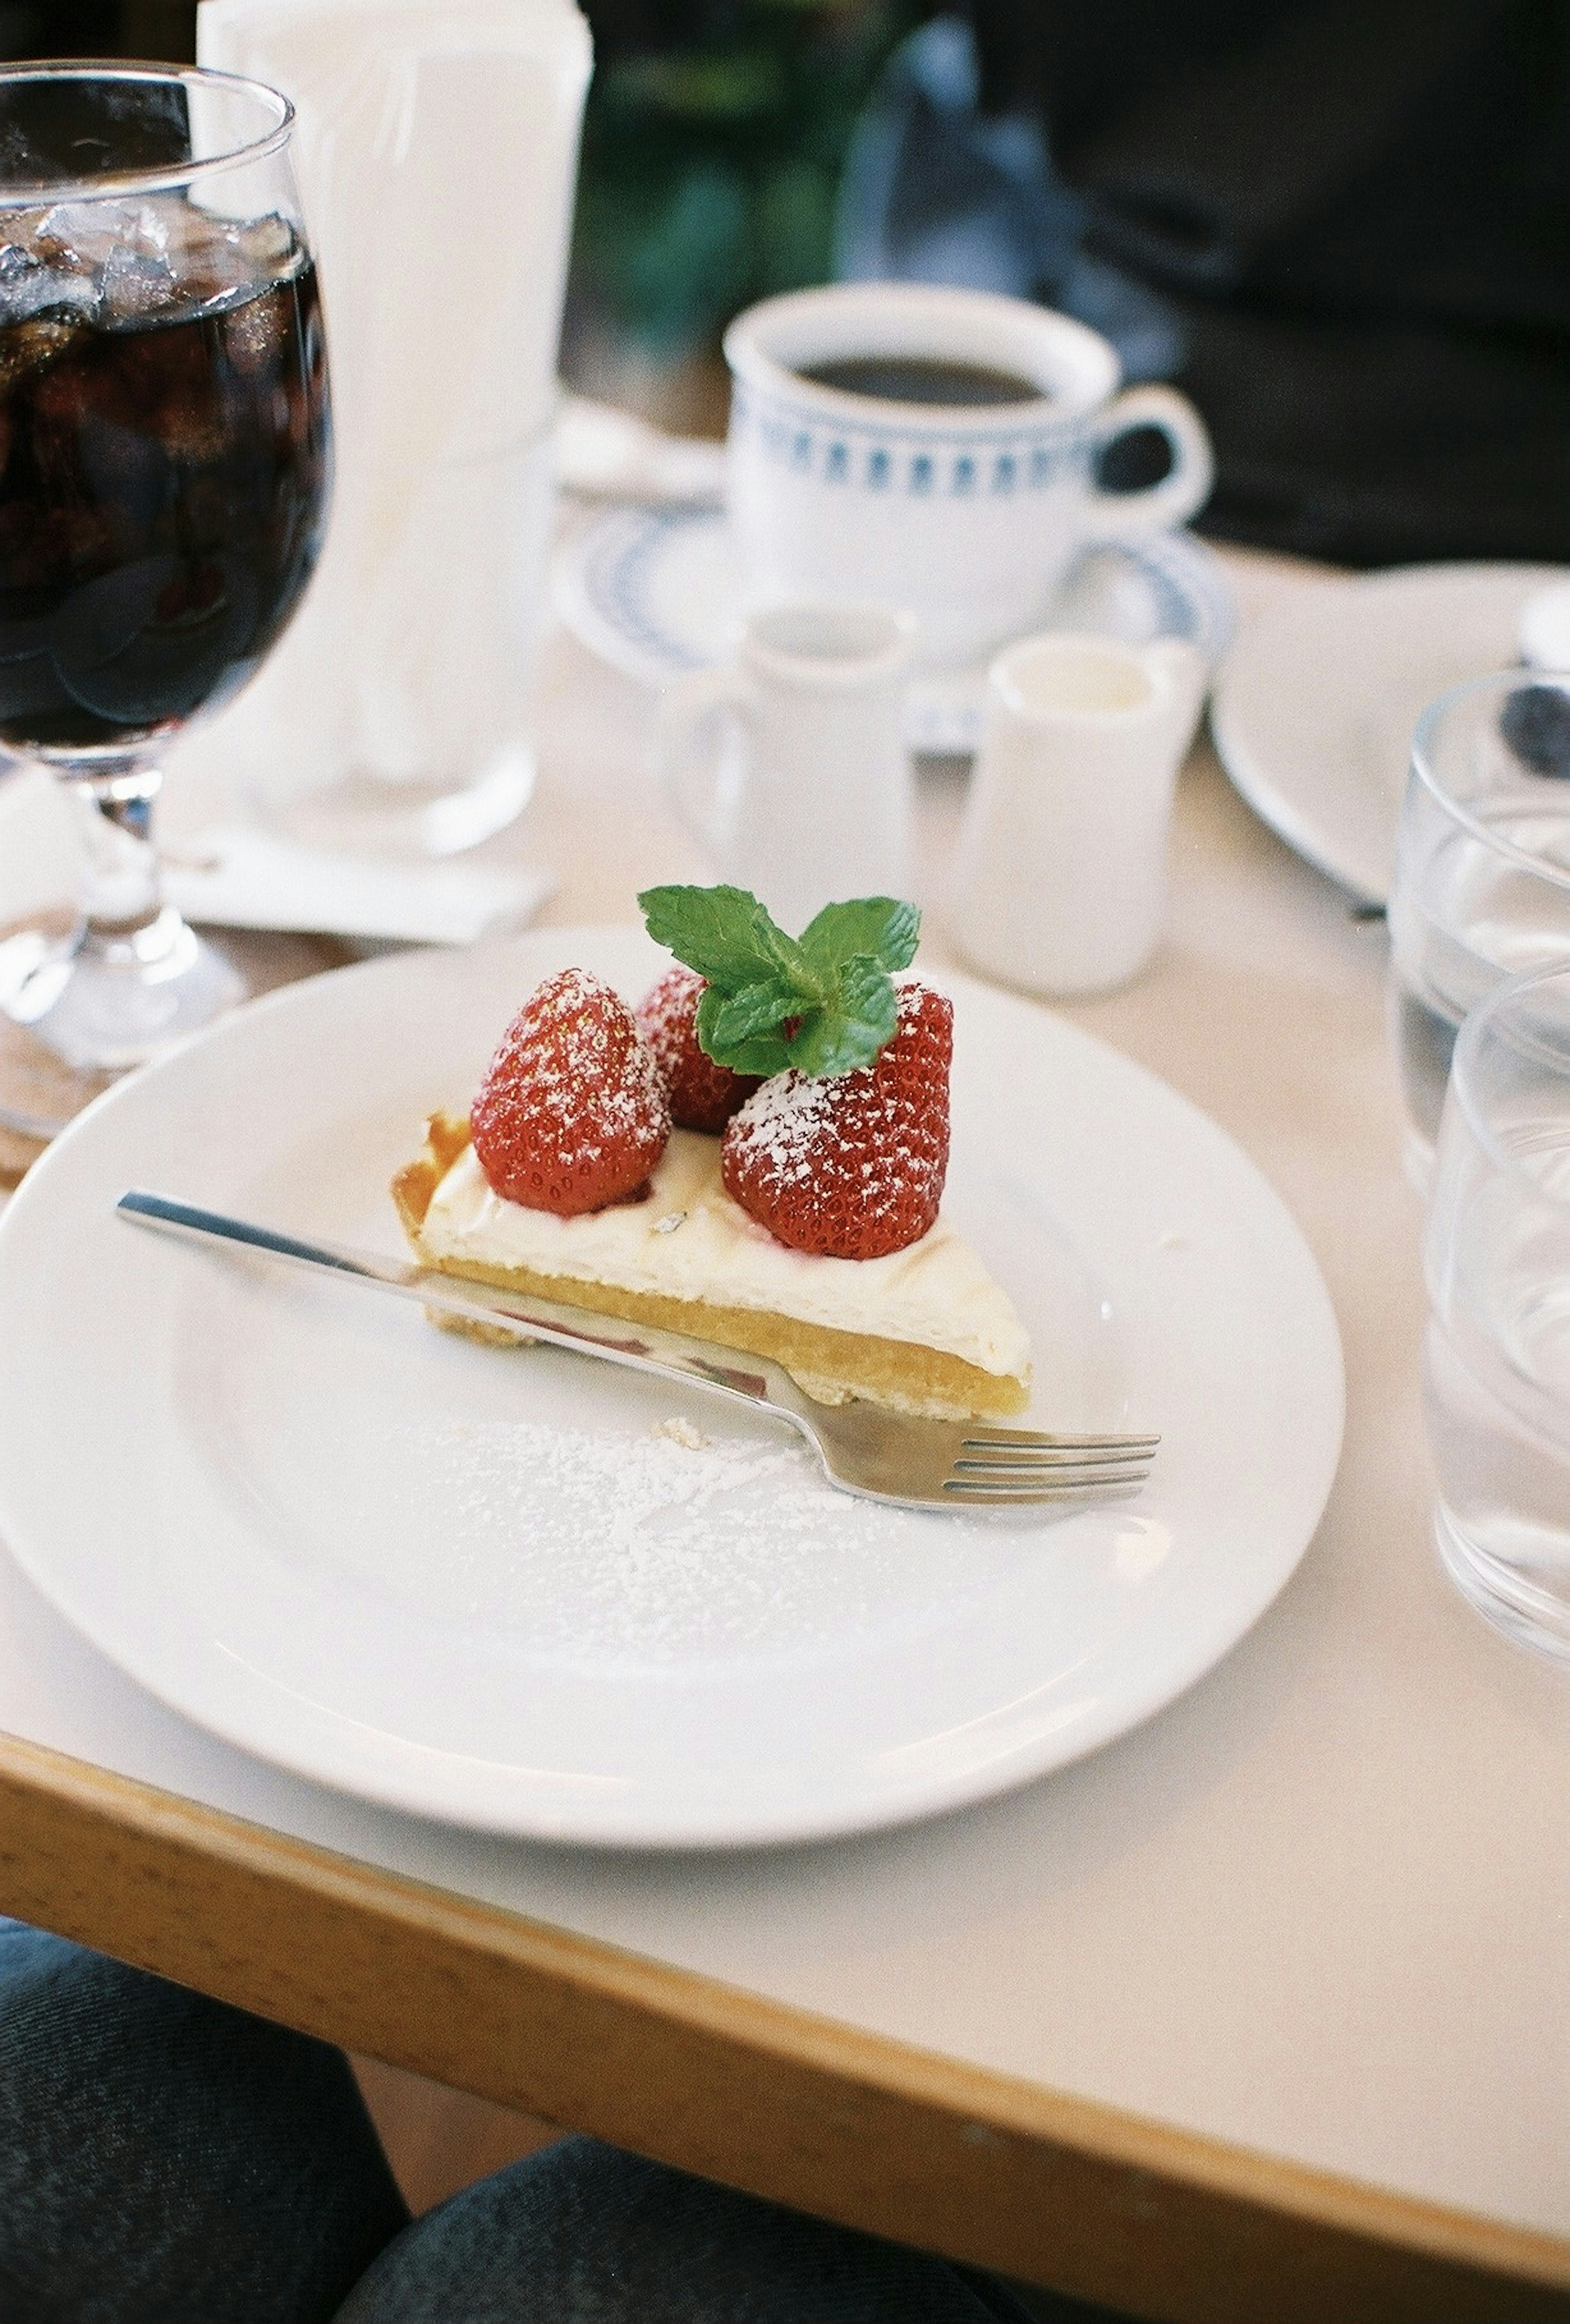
755	1155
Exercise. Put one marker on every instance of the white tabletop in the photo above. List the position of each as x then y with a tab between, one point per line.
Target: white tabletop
1320	1906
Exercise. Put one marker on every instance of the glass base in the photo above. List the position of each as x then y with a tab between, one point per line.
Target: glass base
1505	1596
103	1000
361	815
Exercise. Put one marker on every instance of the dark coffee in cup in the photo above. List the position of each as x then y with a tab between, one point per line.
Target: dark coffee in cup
922	379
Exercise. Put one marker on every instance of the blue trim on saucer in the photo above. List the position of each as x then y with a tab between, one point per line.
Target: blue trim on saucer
1193	598
1185	585
615	582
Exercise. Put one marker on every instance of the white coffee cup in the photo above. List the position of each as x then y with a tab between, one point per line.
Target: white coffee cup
969	515
788	763
1060	876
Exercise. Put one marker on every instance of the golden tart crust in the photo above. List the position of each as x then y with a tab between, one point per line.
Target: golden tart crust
830	1364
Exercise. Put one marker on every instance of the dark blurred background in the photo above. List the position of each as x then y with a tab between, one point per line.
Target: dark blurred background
99	28
1342	226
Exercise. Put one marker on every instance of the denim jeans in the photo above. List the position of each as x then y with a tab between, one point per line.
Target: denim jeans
167	2160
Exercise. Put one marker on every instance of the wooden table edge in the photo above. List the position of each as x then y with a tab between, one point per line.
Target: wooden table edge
1036	2182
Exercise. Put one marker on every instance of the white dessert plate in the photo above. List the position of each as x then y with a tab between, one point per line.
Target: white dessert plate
1314	709
657	592
517	1590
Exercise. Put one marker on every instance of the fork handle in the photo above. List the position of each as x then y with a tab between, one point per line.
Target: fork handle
641	1347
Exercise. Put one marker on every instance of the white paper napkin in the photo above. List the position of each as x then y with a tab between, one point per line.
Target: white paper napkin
230	876
605	454
241	879
436	148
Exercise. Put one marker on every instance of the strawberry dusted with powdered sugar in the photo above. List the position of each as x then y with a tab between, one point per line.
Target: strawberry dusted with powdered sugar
571	1115
843	1150
851	1165
703	1095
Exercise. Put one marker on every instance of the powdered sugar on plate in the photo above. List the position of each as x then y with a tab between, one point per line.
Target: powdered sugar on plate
664	1547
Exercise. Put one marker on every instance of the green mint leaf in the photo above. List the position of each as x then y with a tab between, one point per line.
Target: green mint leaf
756	1047
769	1054
853	1027
755	1008
727	936
833	987
880	928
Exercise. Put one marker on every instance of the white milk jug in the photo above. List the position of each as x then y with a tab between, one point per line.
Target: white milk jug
1060	878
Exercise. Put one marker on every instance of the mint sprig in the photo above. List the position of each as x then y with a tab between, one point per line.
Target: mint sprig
824	1002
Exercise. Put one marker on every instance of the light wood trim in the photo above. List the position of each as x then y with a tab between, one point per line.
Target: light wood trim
1039	2185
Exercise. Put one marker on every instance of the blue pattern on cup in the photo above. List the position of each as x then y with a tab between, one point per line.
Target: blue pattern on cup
1019	460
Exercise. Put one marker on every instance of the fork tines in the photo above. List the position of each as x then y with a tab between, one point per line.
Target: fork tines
1023	1464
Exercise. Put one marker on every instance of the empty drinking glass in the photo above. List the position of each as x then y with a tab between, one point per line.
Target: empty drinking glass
1497	1361
1482	887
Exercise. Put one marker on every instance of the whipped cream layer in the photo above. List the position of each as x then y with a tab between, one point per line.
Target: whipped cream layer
689	1241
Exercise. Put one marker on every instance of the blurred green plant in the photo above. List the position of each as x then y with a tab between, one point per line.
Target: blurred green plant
711	166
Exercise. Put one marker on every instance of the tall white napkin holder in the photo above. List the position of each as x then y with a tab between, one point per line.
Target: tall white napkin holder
437	152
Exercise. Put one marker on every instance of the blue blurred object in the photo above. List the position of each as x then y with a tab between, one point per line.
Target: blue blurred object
935	190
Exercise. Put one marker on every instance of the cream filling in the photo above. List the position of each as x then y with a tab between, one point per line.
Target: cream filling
689	1241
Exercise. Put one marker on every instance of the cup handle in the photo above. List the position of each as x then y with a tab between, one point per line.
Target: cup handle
684	729
1185	486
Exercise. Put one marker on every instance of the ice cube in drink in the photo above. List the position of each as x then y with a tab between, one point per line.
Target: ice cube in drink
164	423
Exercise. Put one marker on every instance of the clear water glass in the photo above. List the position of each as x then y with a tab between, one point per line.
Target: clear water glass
1482	886
1497	1357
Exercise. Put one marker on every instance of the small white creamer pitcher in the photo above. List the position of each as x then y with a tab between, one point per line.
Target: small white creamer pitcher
1060	878
789	763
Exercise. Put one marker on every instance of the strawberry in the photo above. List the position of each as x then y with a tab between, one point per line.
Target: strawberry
703	1095
571	1115
851	1166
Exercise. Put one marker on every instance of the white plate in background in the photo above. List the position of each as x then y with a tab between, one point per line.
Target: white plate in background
1314	710
492	1586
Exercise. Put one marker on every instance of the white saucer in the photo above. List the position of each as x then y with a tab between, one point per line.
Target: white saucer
656	592
1314	710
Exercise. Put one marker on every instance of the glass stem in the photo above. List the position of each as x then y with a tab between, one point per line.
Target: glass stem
120	894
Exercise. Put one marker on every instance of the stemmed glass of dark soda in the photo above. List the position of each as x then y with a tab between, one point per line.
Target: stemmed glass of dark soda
165	464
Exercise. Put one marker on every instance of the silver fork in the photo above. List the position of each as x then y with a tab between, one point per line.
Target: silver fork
884	1456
